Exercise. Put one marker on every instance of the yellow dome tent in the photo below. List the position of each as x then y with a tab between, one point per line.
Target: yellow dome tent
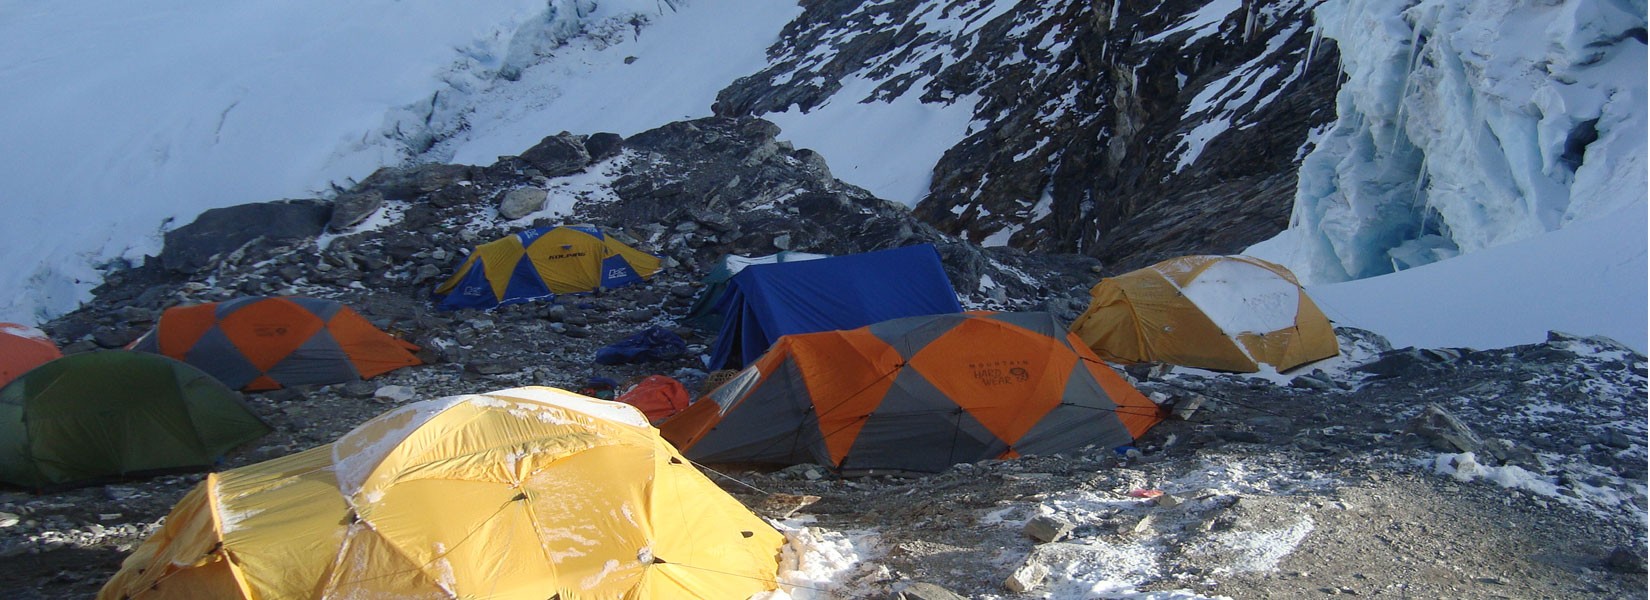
527	493
1227	313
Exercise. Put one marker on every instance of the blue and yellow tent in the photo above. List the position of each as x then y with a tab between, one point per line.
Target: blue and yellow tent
540	263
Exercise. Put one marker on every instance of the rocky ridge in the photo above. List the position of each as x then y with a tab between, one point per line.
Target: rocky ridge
1126	131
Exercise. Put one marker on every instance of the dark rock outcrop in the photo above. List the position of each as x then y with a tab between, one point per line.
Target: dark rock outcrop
1126	131
222	230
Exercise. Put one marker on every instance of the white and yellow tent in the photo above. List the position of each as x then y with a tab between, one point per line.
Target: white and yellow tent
1227	313
527	493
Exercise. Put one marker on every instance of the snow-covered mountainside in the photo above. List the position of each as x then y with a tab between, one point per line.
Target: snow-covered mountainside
1468	124
1128	131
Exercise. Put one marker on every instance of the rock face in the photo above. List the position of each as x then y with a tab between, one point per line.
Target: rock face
1126	131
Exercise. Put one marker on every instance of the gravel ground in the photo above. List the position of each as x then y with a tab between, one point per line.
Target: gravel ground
1328	486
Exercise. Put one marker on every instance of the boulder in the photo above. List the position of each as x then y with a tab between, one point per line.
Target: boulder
558	155
1028	576
926	591
411	183
1048	528
1444	431
602	146
522	202
351	209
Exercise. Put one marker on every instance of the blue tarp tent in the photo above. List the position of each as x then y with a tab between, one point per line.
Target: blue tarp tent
764	302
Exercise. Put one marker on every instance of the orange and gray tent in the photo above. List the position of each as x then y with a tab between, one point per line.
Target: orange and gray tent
527	493
539	263
96	416
1226	313
916	394
258	343
23	348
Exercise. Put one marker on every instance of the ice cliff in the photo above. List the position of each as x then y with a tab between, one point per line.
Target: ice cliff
1466	124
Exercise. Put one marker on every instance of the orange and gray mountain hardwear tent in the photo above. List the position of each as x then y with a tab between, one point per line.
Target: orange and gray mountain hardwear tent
268	343
916	394
1227	313
96	416
528	493
539	263
23	348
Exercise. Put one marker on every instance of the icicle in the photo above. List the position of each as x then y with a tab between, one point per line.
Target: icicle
1420	201
1416	46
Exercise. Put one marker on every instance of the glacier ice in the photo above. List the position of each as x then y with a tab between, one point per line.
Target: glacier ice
1467	124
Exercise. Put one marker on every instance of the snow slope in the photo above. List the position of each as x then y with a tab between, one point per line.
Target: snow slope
119	115
124	119
1586	279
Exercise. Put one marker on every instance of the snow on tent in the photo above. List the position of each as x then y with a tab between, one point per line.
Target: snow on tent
527	493
916	394
92	417
1227	313
764	302
23	348
258	343
703	315
539	263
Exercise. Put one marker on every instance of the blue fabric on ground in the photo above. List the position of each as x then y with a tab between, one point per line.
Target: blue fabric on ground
652	344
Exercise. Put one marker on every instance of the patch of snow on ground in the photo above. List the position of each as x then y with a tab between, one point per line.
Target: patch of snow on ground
1260	551
1465	467
874	145
1203	23
388	214
1001	237
1602	500
816	564
1094	567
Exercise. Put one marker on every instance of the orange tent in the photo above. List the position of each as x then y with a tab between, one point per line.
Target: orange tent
23	348
659	397
916	394
268	343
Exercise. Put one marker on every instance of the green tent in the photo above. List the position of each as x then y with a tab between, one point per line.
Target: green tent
92	417
702	314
